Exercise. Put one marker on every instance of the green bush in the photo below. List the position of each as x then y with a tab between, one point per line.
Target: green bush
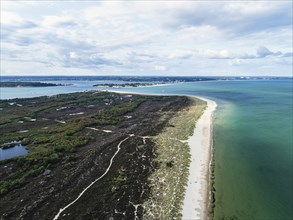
35	172
70	159
7	185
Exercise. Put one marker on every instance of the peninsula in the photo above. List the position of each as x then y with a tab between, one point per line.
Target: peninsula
97	155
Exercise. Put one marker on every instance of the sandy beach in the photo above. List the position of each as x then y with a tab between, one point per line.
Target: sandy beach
197	192
196	200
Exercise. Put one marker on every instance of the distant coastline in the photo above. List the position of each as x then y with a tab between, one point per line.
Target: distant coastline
28	84
123	85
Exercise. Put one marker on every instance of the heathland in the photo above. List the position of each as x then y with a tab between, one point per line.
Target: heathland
96	155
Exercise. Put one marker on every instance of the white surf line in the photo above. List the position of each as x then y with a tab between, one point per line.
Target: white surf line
107	170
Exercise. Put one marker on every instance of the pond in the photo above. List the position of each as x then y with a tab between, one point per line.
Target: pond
17	150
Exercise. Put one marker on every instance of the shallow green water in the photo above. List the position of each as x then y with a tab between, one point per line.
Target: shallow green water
253	153
253	146
252	142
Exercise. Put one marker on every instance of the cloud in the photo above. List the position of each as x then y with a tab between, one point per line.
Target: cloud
234	17
160	68
214	54
145	36
261	52
264	52
58	21
10	18
180	54
237	62
87	61
13	20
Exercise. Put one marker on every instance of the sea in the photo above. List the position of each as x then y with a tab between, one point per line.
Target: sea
252	140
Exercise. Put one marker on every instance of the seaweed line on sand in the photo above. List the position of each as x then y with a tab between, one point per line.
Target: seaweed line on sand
212	190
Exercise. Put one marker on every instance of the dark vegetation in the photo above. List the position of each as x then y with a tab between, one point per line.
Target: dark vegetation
28	84
65	155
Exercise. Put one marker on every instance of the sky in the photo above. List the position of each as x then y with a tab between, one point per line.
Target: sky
180	38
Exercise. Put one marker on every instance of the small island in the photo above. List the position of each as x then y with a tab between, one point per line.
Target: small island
28	84
122	85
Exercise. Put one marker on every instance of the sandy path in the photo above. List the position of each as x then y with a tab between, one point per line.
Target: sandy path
107	170
195	205
197	192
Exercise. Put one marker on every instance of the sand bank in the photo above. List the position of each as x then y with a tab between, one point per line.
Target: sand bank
196	199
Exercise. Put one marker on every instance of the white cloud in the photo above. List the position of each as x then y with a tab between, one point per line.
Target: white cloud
160	68
10	5
10	18
181	54
125	37
237	62
72	55
214	54
62	21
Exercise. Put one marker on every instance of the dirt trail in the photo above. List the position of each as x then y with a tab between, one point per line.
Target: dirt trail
107	170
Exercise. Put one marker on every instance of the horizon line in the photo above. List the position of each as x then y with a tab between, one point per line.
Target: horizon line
144	76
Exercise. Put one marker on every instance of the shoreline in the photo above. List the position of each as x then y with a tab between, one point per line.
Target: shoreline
197	193
196	203
139	86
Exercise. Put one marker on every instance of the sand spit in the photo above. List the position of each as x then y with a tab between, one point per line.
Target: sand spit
196	199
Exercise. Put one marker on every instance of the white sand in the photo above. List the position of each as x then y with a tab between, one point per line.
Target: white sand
197	192
96	129
78	113
196	201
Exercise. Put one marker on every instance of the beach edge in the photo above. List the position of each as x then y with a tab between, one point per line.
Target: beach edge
194	208
196	203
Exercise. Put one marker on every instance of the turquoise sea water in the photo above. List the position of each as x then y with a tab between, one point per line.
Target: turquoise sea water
253	146
252	142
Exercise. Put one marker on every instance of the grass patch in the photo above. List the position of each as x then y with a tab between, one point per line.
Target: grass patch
55	144
170	178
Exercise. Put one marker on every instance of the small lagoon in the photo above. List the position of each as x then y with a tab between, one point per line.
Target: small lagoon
18	150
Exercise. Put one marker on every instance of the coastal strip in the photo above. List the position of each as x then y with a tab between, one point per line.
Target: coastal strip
87	171
170	177
196	199
183	192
